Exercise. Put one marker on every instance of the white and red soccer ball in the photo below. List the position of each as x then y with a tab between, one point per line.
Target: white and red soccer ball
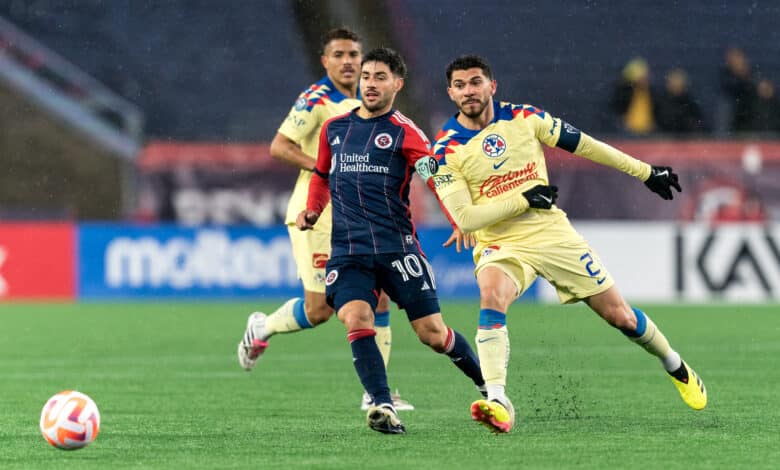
70	420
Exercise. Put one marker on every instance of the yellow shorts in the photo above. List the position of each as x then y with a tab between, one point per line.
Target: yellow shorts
560	255
311	250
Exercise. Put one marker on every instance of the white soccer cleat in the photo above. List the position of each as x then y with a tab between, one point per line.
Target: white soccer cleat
253	344
398	403
384	419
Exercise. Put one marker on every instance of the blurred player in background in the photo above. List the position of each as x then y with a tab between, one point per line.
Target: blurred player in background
365	163
296	143
493	180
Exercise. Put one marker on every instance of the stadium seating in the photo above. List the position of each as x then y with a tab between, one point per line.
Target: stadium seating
203	71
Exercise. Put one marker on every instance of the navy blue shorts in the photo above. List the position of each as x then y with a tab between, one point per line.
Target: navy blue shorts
407	278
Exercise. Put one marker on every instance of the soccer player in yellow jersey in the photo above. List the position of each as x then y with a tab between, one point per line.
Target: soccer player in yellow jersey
493	180
297	143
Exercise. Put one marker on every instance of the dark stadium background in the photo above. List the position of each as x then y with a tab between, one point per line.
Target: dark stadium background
204	70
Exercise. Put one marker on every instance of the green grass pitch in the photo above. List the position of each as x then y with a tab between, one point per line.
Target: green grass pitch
172	395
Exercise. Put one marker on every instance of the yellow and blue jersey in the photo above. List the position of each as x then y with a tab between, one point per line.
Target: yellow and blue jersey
318	103
501	161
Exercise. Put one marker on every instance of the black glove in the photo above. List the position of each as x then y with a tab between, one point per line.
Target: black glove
661	181
541	197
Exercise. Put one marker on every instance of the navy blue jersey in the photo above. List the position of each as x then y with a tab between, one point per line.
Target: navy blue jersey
368	165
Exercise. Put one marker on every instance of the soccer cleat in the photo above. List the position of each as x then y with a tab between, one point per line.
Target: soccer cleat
691	388
383	418
496	416
251	346
398	403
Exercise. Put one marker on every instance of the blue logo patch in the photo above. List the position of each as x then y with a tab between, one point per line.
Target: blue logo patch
300	104
494	146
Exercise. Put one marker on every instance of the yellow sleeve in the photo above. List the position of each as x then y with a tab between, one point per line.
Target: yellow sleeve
608	155
448	178
300	121
556	132
546	127
470	217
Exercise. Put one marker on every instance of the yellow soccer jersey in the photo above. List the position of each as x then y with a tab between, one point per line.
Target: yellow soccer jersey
505	158
317	104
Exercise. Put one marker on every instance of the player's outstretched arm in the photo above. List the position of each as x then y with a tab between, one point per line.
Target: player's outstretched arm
661	181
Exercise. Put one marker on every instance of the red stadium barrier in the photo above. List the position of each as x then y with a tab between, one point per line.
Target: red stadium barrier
37	261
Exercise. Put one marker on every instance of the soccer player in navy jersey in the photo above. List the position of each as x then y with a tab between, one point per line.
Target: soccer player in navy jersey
296	143
364	166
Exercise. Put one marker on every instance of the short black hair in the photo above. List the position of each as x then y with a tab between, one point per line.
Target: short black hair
388	57
338	33
466	62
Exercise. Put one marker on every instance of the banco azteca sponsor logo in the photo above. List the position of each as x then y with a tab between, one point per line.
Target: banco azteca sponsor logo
494	145
499	184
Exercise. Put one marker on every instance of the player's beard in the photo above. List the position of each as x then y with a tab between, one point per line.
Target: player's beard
380	103
475	114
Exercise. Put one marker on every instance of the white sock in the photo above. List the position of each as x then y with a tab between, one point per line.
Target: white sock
496	392
672	361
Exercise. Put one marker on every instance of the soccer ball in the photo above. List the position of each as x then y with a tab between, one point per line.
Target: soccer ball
70	420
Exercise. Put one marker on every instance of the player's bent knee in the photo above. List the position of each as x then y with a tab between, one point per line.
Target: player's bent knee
356	315
318	313
494	297
434	341
433	335
618	317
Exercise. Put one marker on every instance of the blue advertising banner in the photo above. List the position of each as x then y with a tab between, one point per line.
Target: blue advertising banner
169	261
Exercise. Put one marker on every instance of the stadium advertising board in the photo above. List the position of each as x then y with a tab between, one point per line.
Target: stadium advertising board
664	262
651	262
195	184
167	261
37	260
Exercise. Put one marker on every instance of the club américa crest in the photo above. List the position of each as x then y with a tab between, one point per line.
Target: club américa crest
494	146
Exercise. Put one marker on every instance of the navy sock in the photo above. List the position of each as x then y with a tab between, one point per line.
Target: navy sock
369	365
461	354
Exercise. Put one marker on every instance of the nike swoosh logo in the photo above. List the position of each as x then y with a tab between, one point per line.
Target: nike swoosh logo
601	281
549	200
496	166
662	173
485	340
